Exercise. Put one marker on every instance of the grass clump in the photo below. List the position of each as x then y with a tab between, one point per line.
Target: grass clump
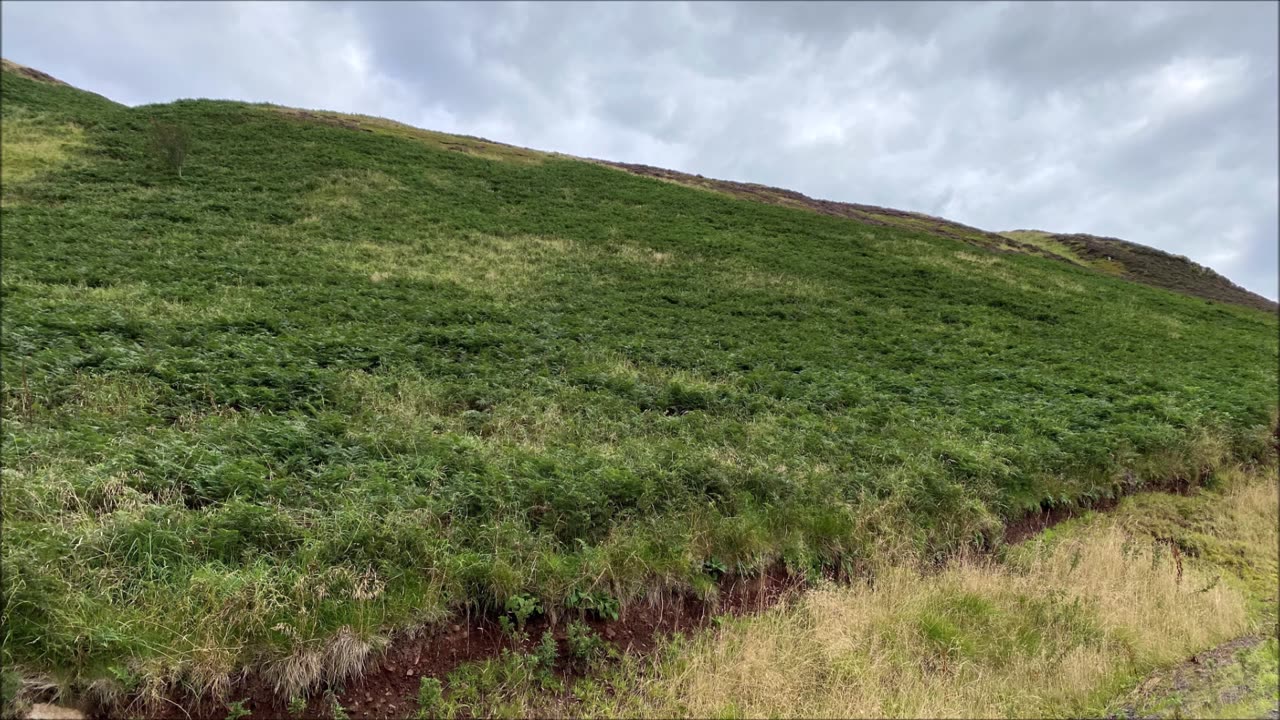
339	383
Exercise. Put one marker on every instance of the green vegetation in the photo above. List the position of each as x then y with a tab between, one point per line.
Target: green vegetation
1045	241
1239	681
1144	265
170	142
33	145
1061	626
334	382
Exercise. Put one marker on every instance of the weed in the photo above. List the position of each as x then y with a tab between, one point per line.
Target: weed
602	605
714	567
547	651
12	702
335	708
522	607
585	645
237	710
430	698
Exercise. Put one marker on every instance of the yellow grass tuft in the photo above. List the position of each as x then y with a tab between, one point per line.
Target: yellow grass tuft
501	267
31	145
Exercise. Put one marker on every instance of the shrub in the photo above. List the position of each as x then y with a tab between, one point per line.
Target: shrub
585	645
603	605
430	696
170	142
523	607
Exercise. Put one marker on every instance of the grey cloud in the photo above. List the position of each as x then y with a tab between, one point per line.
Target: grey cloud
1155	122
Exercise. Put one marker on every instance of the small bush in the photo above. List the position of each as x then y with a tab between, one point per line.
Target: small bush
523	607
170	142
603	605
585	645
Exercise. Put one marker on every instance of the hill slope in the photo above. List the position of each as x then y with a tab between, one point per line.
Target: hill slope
347	376
1143	264
1113	256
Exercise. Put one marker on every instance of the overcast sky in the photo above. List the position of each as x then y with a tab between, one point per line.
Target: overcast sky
1156	123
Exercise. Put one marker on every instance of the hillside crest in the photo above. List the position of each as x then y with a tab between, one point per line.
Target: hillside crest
1112	256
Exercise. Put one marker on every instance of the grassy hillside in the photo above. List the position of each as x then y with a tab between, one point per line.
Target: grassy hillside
1143	264
345	376
1112	256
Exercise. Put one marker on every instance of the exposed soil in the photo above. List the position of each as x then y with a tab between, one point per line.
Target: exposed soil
45	711
1035	523
388	687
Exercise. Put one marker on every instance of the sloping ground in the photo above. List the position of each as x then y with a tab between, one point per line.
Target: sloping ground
27	72
1065	624
1238	679
1132	261
14	69
1122	258
867	214
1143	264
332	385
1163	270
1112	256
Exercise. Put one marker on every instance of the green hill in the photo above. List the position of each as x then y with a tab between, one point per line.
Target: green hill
1143	264
1113	256
345	376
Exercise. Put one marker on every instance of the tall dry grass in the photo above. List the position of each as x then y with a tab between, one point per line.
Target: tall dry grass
1055	630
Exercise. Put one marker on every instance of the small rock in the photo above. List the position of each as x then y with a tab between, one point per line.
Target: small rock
408	673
